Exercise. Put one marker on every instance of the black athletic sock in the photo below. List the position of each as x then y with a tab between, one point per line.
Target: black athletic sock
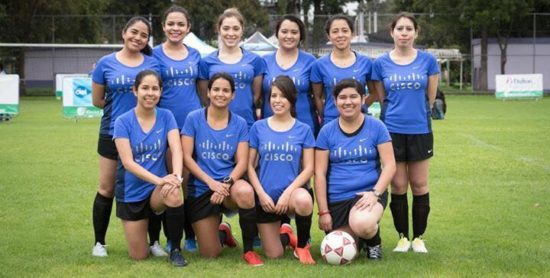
163	219
285	240
175	217
154	227
247	221
303	227
285	219
400	213
420	211
101	212
189	232
375	240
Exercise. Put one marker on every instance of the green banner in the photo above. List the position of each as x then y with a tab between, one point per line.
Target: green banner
9	109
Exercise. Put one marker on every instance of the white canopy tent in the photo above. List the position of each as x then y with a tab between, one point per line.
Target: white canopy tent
259	44
193	41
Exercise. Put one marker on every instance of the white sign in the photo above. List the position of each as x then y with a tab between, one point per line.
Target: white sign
77	98
59	82
9	94
519	86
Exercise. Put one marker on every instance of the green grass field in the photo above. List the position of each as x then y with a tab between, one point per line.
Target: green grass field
490	192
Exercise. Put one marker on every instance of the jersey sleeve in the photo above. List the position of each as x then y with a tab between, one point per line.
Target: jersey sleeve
121	130
259	66
433	68
243	130
322	139
203	70
253	136
383	135
188	128
368	69
315	75
376	71
309	140
170	121
98	75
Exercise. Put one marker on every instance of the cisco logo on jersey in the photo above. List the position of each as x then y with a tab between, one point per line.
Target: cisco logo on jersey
123	84
181	78
147	152
351	155
216	150
279	152
241	79
410	81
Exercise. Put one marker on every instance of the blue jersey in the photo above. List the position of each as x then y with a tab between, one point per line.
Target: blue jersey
406	109
214	150
280	154
299	73
243	72
148	150
179	81
324	71
118	80
354	163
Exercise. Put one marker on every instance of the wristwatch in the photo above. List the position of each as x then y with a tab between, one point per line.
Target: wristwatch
228	180
377	194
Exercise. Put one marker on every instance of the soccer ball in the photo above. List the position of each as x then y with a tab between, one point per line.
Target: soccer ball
338	248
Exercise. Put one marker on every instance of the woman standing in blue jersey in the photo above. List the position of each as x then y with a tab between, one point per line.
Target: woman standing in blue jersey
341	63
350	182
113	78
406	81
280	163
291	61
215	147
245	67
179	65
144	186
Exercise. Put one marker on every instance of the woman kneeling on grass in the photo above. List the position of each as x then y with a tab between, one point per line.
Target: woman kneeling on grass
215	144
350	185
143	186
280	163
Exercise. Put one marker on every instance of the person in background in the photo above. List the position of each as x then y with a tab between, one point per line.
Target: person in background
406	83
179	71
342	62
112	82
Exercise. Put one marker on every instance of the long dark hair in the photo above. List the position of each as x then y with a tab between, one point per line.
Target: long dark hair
147	50
287	87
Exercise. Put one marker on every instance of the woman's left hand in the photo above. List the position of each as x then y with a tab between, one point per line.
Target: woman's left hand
282	203
367	201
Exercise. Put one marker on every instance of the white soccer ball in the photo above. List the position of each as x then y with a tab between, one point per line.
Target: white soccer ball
338	248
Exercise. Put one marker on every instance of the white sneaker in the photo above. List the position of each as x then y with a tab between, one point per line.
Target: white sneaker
157	250
418	245
99	250
403	245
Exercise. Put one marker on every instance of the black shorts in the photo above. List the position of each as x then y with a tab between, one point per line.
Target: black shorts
412	147
134	211
339	211
106	147
266	217
198	208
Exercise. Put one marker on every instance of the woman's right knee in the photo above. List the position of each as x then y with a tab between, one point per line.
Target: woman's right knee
210	253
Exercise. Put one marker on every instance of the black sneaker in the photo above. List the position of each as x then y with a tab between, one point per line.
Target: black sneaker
374	252
177	259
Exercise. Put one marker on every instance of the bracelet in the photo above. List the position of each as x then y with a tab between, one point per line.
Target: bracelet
321	213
